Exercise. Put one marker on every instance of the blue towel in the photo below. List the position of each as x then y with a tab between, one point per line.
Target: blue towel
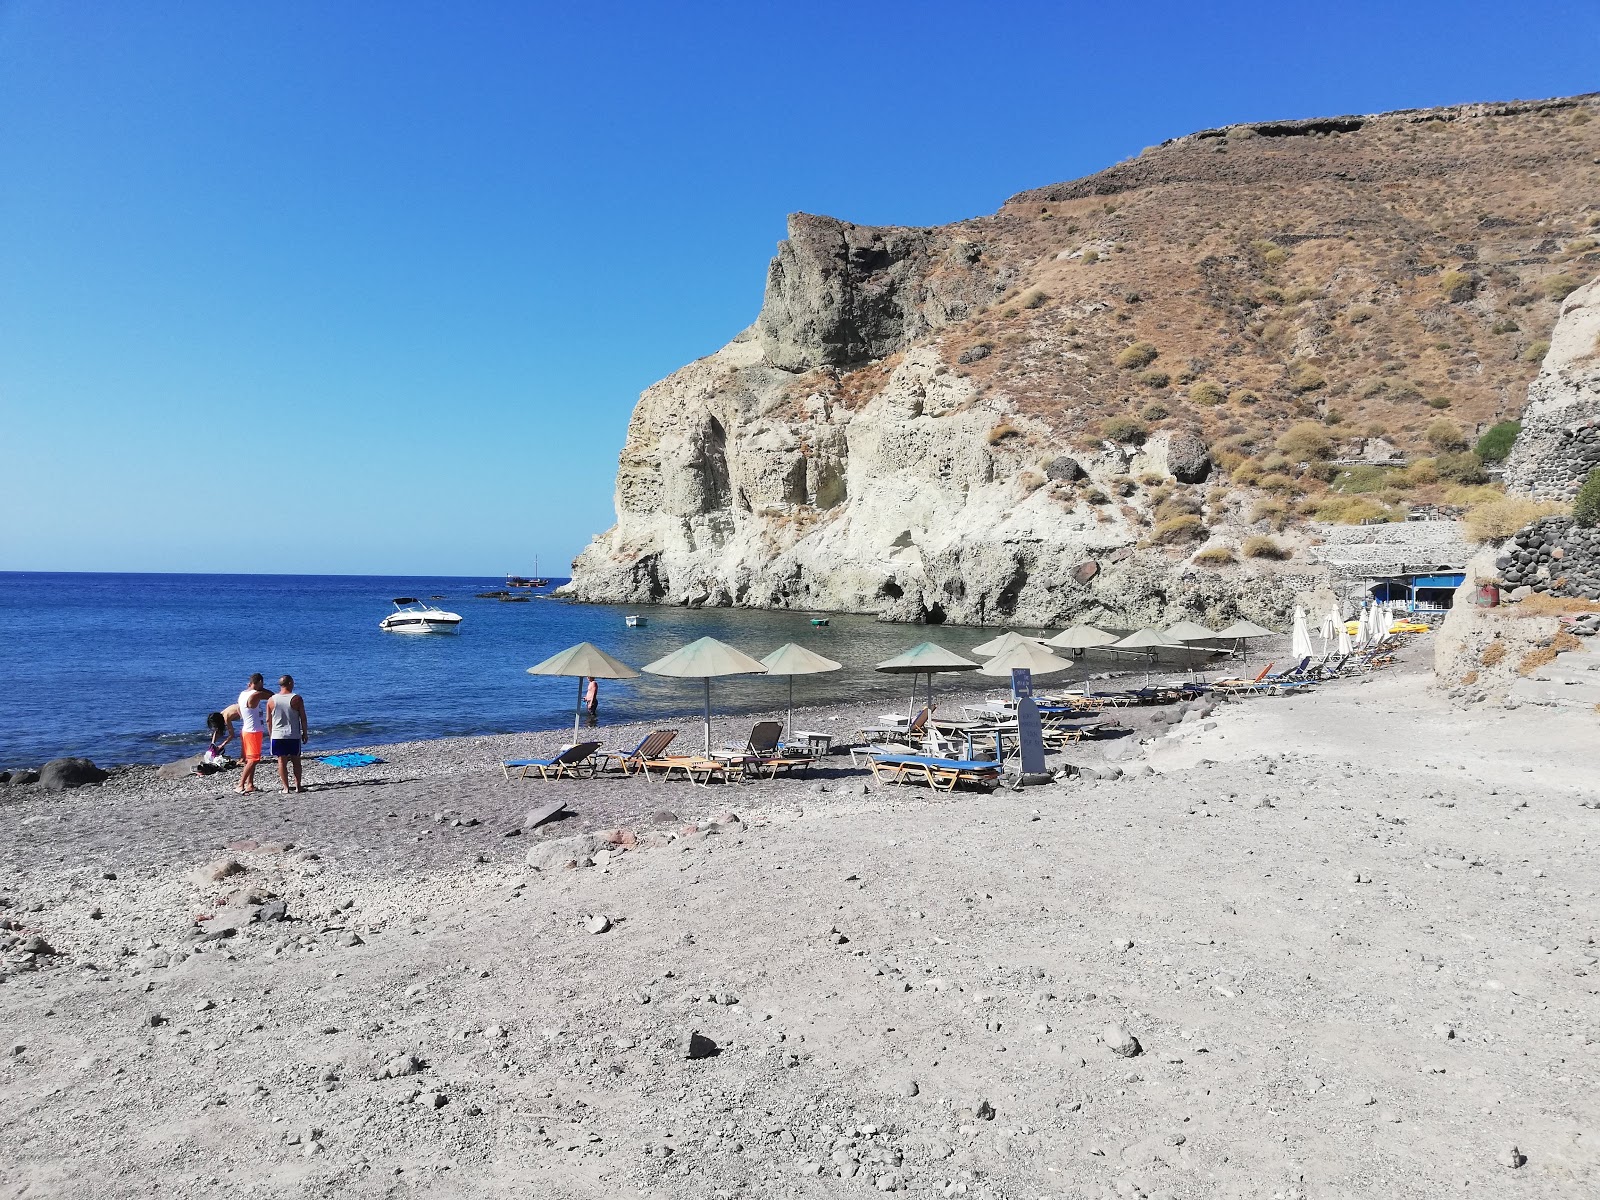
350	760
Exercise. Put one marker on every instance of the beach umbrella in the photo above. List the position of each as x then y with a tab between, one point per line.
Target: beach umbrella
928	659
1329	630
1035	658
1344	647
1005	641
1148	640
791	660
1081	637
1190	631
1300	640
705	660
586	661
1243	631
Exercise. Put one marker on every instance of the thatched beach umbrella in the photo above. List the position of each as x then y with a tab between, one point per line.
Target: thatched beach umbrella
791	660
1189	631
586	661
928	659
705	660
998	645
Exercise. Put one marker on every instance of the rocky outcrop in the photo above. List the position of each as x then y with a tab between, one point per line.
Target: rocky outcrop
1560	439
841	294
915	424
1554	555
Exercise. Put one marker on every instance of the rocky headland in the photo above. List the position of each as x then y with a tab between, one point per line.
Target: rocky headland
1143	394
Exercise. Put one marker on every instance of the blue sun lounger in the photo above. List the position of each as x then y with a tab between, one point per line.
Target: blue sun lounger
571	761
941	774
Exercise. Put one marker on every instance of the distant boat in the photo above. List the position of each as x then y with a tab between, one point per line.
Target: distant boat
523	581
819	620
410	616
634	621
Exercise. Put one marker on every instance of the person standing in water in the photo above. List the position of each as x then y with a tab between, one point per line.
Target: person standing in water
286	721
252	706
591	701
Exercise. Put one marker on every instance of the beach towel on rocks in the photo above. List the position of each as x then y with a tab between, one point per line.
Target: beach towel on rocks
349	760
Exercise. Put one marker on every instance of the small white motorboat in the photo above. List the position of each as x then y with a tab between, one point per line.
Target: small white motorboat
412	616
634	620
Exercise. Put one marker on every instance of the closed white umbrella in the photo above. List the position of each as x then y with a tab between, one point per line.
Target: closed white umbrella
586	661
791	660
1344	647
1330	630
705	660
1300	639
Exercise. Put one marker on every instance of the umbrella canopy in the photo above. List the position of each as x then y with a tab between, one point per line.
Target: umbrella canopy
928	659
586	661
998	645
1330	624
1035	658
1300	640
1146	639
706	659
1190	631
1244	629
1082	637
1344	641
791	660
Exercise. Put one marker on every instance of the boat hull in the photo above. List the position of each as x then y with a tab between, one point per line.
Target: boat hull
416	623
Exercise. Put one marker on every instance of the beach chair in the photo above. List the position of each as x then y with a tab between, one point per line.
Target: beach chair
763	739
1243	687
696	768
907	733
941	774
651	746
572	761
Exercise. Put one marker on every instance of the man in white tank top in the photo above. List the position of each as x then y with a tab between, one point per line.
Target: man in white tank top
286	723
253	728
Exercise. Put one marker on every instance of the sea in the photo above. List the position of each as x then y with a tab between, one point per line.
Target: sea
123	668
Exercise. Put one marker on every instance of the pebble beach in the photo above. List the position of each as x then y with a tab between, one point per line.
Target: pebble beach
1334	944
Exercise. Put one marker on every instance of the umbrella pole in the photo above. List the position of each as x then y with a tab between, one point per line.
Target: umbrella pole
788	729
707	682
577	713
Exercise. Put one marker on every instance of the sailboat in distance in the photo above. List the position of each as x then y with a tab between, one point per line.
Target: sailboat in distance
521	581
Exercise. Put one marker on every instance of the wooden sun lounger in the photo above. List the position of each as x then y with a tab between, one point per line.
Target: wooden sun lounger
941	774
633	760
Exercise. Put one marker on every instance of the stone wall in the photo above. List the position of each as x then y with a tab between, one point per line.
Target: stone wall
1560	440
1555	556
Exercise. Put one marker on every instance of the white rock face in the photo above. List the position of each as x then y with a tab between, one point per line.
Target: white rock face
745	484
1560	440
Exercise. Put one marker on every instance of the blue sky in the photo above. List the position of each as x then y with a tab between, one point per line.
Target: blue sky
372	287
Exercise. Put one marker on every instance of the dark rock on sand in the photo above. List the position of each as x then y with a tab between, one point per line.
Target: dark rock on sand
23	778
59	774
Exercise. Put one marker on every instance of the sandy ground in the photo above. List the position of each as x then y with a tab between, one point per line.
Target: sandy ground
1345	942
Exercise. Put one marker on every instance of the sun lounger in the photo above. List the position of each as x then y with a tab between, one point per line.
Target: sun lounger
696	768
908	732
941	774
652	746
1243	687
572	761
763	739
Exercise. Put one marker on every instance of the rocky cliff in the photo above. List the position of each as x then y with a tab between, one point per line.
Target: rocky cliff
1078	407
1560	440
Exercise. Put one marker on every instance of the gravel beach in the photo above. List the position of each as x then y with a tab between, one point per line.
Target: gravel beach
1335	944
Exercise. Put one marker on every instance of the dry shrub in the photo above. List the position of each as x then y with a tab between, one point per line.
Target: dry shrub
1273	511
1214	556
1348	510
1535	659
1261	546
1493	653
1001	432
1497	519
1140	354
1470	677
1030	482
1176	531
1541	605
1207	393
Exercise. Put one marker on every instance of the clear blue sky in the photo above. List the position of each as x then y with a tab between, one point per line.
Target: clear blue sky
372	287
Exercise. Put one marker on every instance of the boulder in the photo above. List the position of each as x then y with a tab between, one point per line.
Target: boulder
59	774
23	777
1085	571
181	769
579	850
1063	469
1187	458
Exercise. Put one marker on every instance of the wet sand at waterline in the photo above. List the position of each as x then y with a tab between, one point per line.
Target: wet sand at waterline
1336	944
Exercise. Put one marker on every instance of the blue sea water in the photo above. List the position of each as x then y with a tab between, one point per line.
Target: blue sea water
124	668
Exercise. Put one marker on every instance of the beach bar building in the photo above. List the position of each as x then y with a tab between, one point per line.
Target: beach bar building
1421	562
